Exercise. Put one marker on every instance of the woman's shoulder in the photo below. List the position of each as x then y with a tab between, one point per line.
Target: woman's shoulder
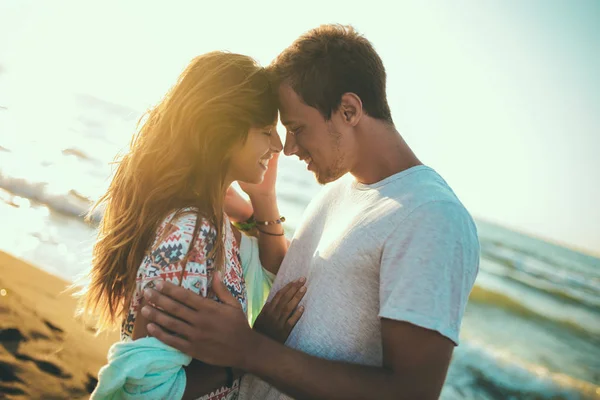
166	259
181	223
185	218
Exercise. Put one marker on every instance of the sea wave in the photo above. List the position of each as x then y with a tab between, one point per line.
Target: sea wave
80	154
480	294
574	283
71	203
479	371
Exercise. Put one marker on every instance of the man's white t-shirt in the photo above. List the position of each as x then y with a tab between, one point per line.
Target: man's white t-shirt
404	248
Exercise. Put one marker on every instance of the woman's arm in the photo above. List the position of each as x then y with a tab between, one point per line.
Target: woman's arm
271	242
200	378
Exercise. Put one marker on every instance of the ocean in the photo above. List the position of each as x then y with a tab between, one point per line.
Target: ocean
532	325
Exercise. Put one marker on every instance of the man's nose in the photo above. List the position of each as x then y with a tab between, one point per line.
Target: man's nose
291	147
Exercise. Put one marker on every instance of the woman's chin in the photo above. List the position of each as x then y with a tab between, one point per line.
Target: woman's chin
254	180
259	179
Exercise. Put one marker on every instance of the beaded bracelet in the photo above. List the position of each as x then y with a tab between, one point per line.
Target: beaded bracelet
281	220
251	223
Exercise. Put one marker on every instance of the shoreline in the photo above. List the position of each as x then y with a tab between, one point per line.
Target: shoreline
46	352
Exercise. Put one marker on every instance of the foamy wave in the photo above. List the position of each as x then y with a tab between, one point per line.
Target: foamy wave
71	203
480	372
80	154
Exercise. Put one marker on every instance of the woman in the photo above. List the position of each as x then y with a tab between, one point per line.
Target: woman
164	209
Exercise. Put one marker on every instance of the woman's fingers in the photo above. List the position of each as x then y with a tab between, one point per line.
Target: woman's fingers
281	293
279	316
282	309
293	319
293	302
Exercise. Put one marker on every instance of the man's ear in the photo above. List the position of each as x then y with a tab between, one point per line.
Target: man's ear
351	109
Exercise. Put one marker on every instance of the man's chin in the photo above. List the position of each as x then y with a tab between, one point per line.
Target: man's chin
325	178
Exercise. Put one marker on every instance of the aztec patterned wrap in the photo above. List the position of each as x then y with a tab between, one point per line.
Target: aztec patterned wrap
165	262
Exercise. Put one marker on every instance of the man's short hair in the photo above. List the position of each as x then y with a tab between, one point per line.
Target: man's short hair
328	61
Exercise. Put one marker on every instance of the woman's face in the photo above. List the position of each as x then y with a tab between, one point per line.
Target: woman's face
249	162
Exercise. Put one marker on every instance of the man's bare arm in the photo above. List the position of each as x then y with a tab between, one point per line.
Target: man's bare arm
415	360
415	365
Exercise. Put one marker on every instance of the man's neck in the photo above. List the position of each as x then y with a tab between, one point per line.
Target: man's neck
381	152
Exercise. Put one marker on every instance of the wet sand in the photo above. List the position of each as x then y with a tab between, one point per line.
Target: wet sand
45	352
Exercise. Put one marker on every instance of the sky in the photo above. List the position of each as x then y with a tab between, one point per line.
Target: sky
501	97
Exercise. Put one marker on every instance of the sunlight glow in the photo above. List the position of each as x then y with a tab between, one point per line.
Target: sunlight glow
500	97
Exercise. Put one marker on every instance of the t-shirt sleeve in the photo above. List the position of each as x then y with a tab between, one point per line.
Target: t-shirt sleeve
428	268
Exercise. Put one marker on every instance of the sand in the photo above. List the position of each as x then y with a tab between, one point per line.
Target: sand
45	352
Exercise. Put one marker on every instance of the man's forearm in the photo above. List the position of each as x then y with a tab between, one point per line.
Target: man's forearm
306	377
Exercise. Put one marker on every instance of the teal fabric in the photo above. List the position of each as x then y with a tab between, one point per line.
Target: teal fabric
142	369
258	280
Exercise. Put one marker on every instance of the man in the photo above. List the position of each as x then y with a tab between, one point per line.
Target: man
389	253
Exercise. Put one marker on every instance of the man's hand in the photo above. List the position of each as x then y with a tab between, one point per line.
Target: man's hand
215	333
280	315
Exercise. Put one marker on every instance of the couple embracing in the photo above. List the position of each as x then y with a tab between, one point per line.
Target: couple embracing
214	302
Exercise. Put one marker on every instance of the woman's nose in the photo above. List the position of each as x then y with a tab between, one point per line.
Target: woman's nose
276	145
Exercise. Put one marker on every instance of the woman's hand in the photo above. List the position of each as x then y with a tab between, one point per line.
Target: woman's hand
279	316
239	209
267	186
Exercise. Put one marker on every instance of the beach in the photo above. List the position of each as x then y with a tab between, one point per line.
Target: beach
46	352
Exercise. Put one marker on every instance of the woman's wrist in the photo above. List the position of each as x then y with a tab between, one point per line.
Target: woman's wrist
263	196
242	215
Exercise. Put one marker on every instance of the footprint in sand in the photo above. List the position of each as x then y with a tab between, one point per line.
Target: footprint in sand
11	390
11	338
53	327
7	373
9	377
45	366
91	383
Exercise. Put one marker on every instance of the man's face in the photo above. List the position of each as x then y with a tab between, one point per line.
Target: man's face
311	138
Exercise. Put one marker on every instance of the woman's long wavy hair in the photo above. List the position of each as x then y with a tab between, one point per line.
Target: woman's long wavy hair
178	159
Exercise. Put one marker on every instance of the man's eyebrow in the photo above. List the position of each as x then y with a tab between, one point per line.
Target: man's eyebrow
286	123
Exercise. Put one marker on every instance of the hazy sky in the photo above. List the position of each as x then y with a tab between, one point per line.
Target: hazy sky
501	97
